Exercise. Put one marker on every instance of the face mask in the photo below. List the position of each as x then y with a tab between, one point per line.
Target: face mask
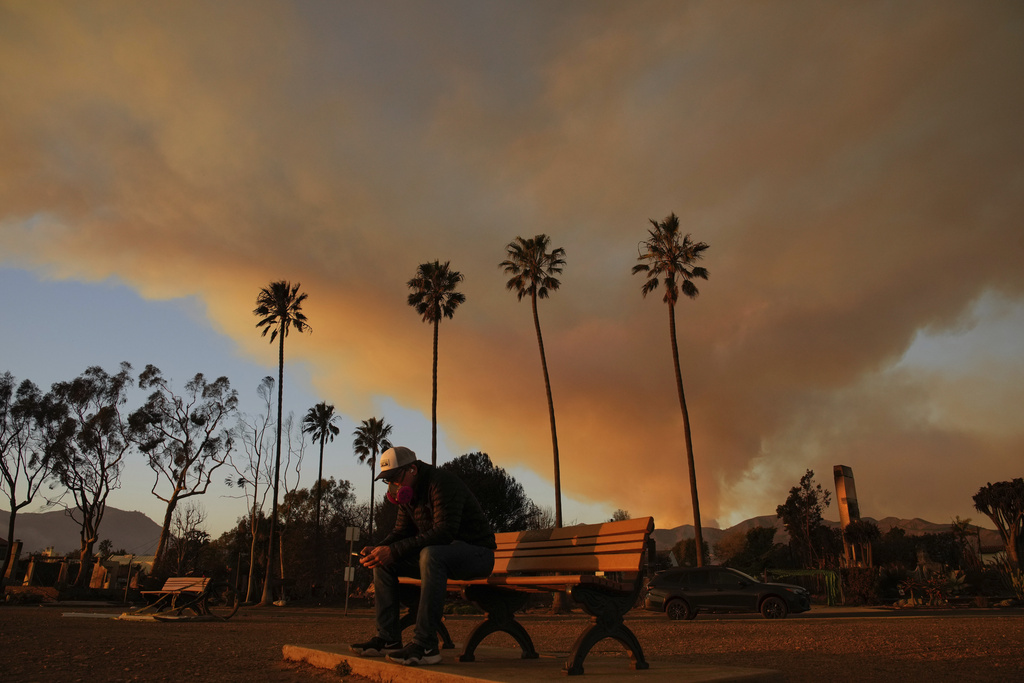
399	495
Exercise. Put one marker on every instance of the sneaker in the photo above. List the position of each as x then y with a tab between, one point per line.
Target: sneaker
414	655
374	647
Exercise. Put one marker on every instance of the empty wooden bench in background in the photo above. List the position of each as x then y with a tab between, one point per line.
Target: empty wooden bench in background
197	594
599	565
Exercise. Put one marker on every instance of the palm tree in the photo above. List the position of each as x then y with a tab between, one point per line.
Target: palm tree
533	269
279	309
371	440
319	424
668	258
434	297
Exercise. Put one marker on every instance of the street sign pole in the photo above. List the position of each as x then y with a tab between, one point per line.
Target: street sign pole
351	535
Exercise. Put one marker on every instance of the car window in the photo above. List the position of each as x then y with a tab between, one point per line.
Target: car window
669	577
725	579
745	576
696	578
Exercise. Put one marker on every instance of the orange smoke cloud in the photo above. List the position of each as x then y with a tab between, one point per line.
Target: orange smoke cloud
856	195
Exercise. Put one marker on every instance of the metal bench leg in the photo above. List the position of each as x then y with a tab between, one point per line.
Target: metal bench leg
607	610
500	606
158	605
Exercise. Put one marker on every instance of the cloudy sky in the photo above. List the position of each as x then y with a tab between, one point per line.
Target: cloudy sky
857	170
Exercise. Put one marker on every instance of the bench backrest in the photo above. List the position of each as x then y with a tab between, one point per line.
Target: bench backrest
186	584
580	549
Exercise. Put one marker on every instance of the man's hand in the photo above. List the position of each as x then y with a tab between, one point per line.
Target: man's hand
378	556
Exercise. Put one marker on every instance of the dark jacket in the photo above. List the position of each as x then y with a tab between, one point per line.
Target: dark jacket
443	509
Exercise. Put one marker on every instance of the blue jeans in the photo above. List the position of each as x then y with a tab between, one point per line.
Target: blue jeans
436	563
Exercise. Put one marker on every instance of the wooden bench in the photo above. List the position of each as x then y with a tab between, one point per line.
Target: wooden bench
194	593
599	565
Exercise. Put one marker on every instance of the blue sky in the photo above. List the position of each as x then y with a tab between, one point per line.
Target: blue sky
856	169
68	326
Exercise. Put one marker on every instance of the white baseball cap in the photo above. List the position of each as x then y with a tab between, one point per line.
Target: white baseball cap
393	458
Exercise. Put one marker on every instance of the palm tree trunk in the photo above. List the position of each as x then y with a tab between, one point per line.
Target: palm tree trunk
551	415
267	595
433	405
319	497
319	488
698	535
559	600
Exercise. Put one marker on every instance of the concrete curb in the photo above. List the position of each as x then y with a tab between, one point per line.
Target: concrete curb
504	665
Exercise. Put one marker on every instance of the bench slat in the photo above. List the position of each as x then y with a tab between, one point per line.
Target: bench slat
642	525
182	584
546	583
627	546
588	543
619	560
613	553
574	563
535	584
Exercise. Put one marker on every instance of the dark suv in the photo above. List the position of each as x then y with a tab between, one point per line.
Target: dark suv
682	592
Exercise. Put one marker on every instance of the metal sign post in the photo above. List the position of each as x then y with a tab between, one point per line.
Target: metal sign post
351	535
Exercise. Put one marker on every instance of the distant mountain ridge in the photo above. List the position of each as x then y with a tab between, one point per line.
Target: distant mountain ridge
133	531
666	538
138	534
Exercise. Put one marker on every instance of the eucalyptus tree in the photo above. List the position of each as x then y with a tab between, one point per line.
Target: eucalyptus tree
434	297
90	461
533	269
667	258
279	309
184	437
30	429
253	474
372	437
319	423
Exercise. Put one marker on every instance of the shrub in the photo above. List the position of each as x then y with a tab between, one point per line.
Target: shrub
889	579
860	586
1011	577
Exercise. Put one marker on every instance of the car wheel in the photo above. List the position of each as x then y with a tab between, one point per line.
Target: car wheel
679	609
774	608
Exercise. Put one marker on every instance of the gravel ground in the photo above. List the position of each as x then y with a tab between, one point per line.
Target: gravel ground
77	643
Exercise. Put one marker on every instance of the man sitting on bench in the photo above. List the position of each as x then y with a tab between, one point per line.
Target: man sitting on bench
440	532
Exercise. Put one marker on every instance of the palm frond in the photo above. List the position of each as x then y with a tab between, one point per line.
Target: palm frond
279	309
668	259
434	294
532	267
